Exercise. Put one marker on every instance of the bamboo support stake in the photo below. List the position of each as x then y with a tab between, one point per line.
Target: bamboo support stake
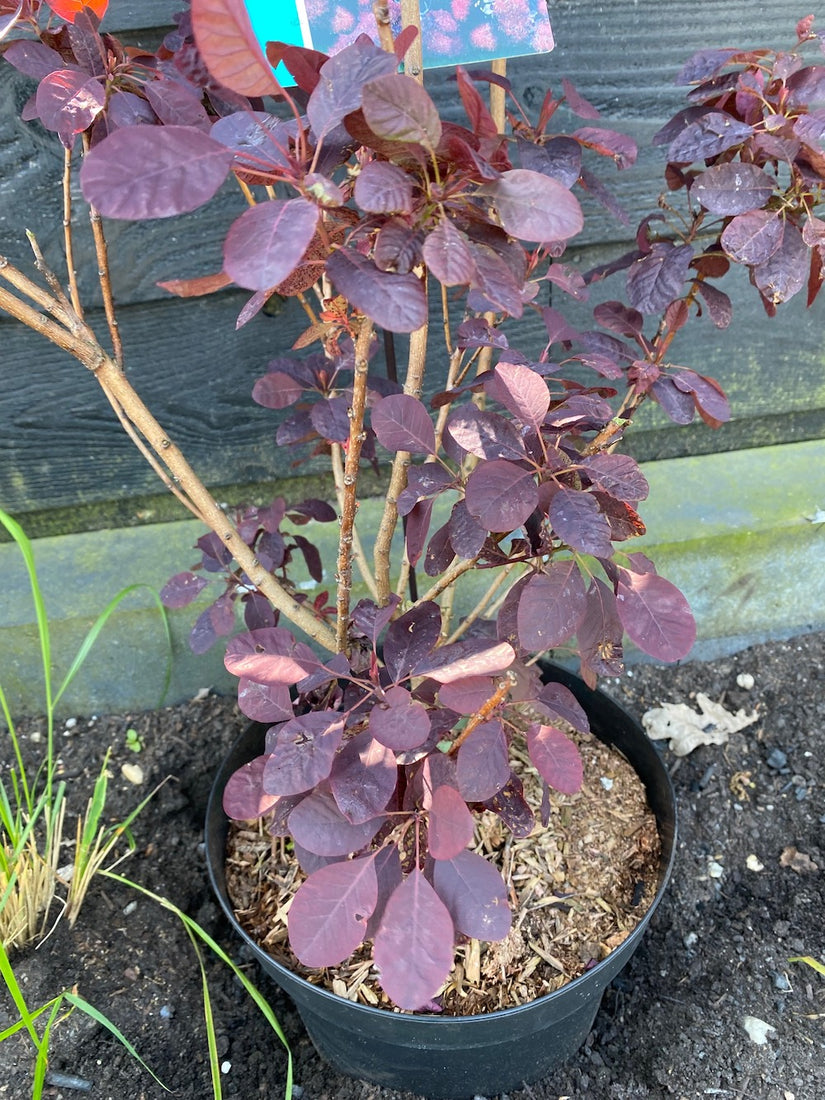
414	62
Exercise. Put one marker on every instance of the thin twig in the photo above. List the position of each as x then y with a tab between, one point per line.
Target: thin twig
68	243
482	604
104	276
350	481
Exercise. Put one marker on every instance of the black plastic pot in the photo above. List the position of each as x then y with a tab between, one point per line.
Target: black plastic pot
462	1056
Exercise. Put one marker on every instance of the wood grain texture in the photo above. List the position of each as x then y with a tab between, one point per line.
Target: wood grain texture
59	442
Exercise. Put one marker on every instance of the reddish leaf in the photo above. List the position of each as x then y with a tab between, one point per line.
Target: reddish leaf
732	188
153	171
786	271
512	807
244	798
468	695
318	825
68	101
267	242
466	534
410	638
656	616
654	280
521	390
619	475
414	945
277	390
383	188
609	143
264	702
484	434
450	824
228	45
390	876
395	302
576	102
448	256
470	657
400	722
182	589
397	108
551	606
708	396
703	64
475	894
363	777
482	763
556	757
718	303
707	136
578	521
600	634
534	207
329	913
269	656
619	318
340	87
501	495
70	9
301	754
753	238
401	423
562	703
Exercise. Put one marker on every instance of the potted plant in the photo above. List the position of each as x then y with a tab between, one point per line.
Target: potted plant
393	722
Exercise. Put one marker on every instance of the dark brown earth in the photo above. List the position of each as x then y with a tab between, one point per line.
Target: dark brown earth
672	1024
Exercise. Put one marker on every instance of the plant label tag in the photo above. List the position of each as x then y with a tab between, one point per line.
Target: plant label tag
454	32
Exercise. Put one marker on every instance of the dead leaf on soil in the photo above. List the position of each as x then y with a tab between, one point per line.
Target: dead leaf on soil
797	861
686	729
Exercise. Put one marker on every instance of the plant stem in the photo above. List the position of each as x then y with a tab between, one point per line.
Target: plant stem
358	555
416	363
80	341
350	482
102	253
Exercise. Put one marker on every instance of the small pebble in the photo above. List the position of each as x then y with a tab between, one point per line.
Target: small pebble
166	1012
781	982
226	1067
757	1029
129	909
745	680
690	940
777	759
753	863
715	870
133	773
606	783
67	1081
70	723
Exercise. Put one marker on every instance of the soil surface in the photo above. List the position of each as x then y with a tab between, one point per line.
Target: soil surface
710	1006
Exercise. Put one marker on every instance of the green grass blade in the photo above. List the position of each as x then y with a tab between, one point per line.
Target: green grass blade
209	1019
96	1015
203	935
809	961
16	994
98	625
41	1064
9	1031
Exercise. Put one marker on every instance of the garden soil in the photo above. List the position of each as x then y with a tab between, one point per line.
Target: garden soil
712	1005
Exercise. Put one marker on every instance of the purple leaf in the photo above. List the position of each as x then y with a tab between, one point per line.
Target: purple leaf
411	638
501	495
182	589
215	622
418	526
600	633
560	157
363	778
448	256
617	474
371	619
618	318
556	758
228	47
718	303
395	302
270	656
427	480
329	913
577	521
414	945
475	894
535	207
466	535
469	657
785	272
397	108
383	188
521	390
710	400
482	763
153	171
259	140
677	404
267	242
399	722
341	80
318	825
34	59
244	798
330	419
388	869
707	136
177	104
753	238
276	390
468	695
495	287
562	703
68	101
512	807
656	616
264	702
658	278
703	64
609	143
401	423
301	755
576	102
440	553
450	824
732	188
484	434
397	247
551	606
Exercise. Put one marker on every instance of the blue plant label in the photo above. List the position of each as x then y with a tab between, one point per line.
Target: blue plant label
454	32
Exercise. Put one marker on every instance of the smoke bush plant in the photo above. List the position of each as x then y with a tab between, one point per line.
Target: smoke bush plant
390	733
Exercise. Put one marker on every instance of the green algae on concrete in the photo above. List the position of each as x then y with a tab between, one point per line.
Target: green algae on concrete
738	532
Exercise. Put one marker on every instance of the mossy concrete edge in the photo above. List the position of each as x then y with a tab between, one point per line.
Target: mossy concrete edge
741	533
